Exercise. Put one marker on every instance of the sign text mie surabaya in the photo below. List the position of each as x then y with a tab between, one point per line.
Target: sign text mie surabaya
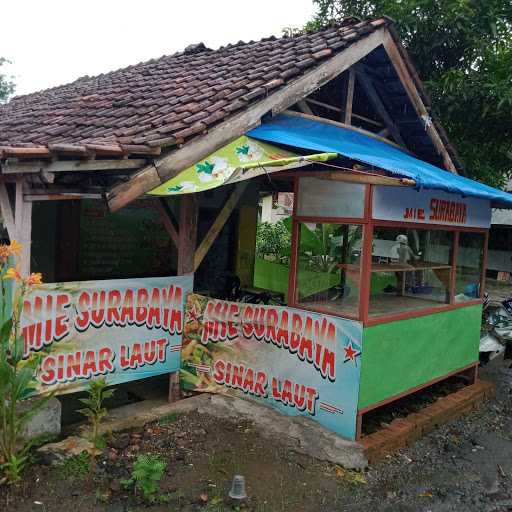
309	339
441	210
51	317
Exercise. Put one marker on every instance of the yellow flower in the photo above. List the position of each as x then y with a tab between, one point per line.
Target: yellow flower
13	273
15	248
4	252
34	278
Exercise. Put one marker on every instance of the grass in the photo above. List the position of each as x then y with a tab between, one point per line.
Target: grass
168	419
76	467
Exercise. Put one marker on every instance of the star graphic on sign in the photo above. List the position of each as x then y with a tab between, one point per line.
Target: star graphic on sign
351	353
193	315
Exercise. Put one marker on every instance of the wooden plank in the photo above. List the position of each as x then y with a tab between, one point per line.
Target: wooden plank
24	234
60	197
218	224
304	107
18	204
347	127
367	178
350	177
38	166
138	184
7	211
164	211
349	97
339	110
189	210
200	147
376	101
414	96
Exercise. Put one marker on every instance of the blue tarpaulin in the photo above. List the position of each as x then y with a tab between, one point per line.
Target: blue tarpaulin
305	133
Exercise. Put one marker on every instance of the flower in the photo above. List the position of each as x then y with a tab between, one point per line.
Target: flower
250	152
13	249
34	278
13	273
4	252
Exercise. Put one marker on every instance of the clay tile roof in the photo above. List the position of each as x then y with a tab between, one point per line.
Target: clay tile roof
164	101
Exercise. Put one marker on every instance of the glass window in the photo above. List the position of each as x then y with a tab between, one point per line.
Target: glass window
328	269
470	259
411	270
328	198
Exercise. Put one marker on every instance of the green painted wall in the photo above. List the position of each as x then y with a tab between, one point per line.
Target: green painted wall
398	356
274	276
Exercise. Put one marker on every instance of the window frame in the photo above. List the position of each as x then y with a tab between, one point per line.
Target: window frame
369	225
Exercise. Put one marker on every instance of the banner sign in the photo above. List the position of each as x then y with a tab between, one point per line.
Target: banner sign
123	330
430	207
299	362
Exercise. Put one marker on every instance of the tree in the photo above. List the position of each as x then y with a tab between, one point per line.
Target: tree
6	84
463	52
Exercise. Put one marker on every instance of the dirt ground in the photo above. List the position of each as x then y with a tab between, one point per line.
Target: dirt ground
463	466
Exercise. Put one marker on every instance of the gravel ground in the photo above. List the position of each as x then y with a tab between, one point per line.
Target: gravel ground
463	466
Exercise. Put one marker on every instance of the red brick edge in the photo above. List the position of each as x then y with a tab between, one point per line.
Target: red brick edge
404	431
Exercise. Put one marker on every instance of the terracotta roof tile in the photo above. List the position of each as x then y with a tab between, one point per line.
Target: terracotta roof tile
166	100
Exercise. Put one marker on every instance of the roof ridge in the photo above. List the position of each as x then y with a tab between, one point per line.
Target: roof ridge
163	102
343	23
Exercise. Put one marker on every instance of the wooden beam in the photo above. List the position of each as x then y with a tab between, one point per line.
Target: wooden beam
24	234
375	100
189	210
367	178
70	196
415	98
339	110
347	127
200	147
18	204
7	211
167	219
349	97
38	166
219	223
304	107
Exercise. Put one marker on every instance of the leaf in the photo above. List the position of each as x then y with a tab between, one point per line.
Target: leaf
353	477
5	331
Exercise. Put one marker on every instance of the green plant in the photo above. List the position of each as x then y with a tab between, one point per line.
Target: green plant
273	240
76	467
146	475
94	409
169	418
17	369
462	50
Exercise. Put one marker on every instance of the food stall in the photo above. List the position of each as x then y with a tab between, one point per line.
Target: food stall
384	294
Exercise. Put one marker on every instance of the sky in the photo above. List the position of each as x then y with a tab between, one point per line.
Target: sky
53	42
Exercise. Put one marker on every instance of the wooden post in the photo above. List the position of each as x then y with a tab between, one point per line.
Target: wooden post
187	237
350	96
23	223
246	240
187	233
218	223
18	220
